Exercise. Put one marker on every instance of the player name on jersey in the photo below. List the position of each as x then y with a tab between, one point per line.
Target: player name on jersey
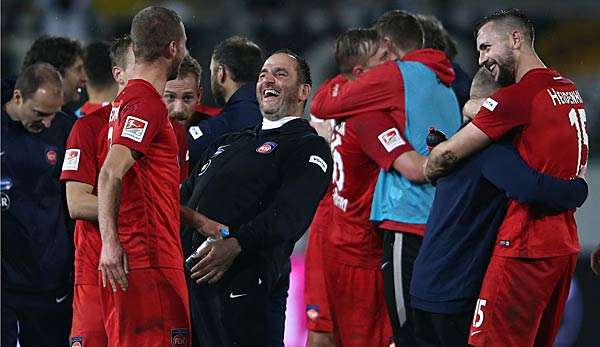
561	98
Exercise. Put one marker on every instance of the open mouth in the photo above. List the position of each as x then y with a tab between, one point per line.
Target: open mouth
270	94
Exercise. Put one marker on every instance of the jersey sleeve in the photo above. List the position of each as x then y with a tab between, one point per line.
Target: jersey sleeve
305	178
501	113
509	172
380	88
80	156
139	123
380	138
182	149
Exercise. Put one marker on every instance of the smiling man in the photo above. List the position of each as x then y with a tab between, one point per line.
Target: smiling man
268	182
543	114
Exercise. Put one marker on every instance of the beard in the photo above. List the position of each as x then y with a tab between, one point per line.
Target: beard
282	108
506	66
218	92
174	69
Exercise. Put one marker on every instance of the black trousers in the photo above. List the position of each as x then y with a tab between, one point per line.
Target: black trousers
443	330
36	319
400	251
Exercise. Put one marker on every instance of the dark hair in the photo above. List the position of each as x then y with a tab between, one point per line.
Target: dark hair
152	29
483	84
242	57
301	66
38	75
511	18
190	66
355	46
60	52
119	50
97	64
435	35
402	28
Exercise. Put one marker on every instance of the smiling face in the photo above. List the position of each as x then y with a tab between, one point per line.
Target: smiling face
495	54
278	90
73	80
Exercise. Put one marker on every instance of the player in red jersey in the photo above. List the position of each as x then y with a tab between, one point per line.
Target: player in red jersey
528	278
84	156
138	197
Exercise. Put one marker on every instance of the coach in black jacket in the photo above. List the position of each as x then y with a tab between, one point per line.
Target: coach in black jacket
264	184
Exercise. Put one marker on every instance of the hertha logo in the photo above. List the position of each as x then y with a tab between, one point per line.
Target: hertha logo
134	128
77	341
179	337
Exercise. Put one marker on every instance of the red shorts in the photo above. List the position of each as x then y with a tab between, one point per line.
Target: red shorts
315	293
88	325
154	311
521	301
357	303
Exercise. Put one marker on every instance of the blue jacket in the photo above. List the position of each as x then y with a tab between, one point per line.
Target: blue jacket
428	103
37	248
469	206
240	112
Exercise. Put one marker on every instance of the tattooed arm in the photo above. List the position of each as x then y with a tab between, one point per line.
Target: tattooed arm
447	154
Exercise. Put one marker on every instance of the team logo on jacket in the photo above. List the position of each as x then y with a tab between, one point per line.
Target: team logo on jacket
71	162
5	199
179	337
315	159
312	312
51	157
266	147
134	128
391	139
77	341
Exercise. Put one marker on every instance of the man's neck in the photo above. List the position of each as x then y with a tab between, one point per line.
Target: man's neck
152	72
100	96
230	89
529	61
11	110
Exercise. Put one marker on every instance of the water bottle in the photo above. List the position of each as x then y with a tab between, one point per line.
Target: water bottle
195	257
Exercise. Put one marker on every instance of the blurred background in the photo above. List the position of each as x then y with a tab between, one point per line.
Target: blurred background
566	39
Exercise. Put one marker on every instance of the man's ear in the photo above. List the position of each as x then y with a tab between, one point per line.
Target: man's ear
117	74
304	92
17	96
199	93
357	70
171	50
222	74
517	38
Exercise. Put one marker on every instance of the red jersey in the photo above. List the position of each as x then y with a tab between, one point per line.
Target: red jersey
209	110
183	156
545	112
89	107
362	145
148	219
83	159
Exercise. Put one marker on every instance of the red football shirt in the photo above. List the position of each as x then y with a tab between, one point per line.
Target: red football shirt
149	210
361	146
546	114
183	156
83	159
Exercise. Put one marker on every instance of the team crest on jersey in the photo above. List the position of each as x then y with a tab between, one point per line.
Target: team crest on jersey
266	147
490	104
312	312
77	341
71	162
179	337
391	139
51	156
134	128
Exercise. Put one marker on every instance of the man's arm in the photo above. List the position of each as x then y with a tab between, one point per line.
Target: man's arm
410	166
507	170
446	155
82	203
113	260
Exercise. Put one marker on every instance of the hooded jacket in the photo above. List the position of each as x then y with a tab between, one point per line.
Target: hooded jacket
416	91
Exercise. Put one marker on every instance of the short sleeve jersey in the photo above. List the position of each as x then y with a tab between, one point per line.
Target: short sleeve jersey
546	114
362	145
183	155
83	159
148	220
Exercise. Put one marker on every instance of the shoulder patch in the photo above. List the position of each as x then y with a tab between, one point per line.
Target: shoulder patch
195	132
490	104
71	162
391	139
315	159
134	128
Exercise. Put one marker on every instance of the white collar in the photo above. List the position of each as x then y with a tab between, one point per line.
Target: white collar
273	124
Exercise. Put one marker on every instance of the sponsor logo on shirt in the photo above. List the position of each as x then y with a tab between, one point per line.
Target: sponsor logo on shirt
134	128
315	159
266	147
71	162
490	104
391	139
179	337
195	132
312	312
114	111
77	341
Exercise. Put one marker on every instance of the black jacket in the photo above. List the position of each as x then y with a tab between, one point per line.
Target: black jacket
265	185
